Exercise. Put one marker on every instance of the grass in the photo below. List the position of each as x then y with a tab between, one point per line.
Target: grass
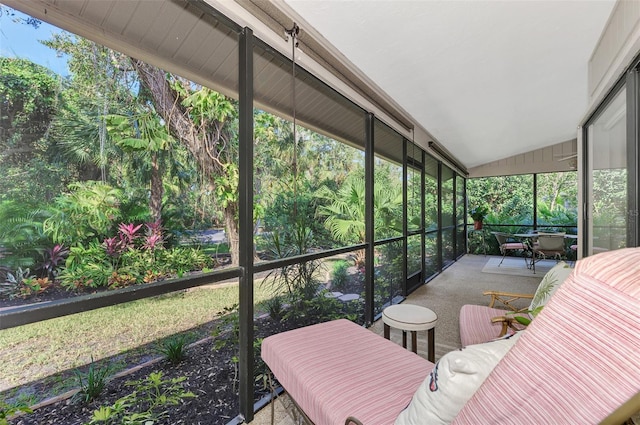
219	248
41	349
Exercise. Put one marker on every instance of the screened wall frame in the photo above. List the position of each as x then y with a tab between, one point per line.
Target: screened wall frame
461	215
413	161
534	221
350	124
627	90
431	214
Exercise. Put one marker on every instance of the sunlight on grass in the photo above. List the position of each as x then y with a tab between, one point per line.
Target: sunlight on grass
40	349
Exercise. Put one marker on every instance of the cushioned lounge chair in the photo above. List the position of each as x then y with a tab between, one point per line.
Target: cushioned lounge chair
480	323
577	362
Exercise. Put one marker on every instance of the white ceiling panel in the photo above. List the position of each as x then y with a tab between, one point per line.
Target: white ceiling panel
488	79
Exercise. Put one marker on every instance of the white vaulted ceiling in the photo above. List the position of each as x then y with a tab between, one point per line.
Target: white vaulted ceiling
488	79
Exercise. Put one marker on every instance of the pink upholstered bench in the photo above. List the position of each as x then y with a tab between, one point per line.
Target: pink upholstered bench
338	369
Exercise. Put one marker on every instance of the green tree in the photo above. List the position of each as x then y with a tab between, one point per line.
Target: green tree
508	199
285	198
102	82
29	101
28	96
206	123
144	134
345	212
558	190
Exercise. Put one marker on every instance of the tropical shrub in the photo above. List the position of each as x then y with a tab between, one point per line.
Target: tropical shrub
174	348
91	382
22	239
22	283
339	275
53	259
181	260
128	258
297	281
279	216
275	308
86	267
88	212
345	210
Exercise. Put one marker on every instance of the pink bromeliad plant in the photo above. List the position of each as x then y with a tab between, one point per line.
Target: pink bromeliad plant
114	246
154	228
129	232
153	242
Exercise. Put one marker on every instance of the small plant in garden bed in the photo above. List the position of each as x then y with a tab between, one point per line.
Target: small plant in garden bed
340	275
22	284
275	308
92	382
146	404
53	259
7	410
174	348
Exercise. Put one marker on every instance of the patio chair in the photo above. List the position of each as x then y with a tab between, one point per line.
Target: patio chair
547	245
578	361
480	324
506	243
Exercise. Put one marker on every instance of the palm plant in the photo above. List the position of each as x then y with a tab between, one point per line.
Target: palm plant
345	212
144	135
22	239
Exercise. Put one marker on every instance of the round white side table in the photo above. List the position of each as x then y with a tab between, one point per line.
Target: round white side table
412	318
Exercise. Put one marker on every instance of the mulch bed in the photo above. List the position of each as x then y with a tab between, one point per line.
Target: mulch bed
211	376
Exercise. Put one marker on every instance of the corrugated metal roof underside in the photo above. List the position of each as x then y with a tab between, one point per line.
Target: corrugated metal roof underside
195	41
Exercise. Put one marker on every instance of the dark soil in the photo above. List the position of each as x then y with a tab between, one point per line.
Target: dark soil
210	374
52	293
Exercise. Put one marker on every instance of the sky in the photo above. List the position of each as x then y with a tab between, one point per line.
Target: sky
18	40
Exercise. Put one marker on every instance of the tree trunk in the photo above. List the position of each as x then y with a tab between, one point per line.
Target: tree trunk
157	189
202	144
231	229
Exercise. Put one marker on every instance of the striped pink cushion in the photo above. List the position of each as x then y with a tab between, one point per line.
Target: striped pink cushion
338	369
476	326
579	360
513	245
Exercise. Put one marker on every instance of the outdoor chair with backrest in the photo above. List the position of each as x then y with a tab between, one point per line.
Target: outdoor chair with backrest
547	245
507	243
480	323
576	363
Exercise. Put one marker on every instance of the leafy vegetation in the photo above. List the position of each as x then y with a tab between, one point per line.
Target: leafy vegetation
339	275
509	202
92	382
174	348
7	410
146	404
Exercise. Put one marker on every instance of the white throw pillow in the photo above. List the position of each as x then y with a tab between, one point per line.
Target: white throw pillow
452	382
550	284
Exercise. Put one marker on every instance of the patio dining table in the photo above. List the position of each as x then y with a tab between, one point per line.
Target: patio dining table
530	237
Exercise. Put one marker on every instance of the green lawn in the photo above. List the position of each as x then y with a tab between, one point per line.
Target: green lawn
41	349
